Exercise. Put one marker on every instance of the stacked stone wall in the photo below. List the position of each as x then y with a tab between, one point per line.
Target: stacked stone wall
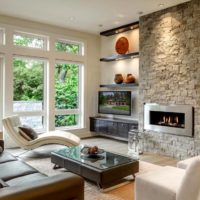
170	72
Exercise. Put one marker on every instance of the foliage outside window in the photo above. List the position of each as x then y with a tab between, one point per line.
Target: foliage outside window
66	120
28	40
28	88
28	79
66	86
67	92
67	47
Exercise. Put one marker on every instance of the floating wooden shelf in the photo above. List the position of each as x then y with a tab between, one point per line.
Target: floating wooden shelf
120	57
123	85
120	29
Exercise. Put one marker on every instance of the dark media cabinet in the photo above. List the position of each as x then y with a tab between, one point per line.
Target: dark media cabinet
114	128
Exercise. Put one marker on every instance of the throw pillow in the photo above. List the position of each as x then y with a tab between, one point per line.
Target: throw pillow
27	132
1	146
3	184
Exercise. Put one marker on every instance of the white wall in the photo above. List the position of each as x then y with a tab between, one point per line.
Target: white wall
90	61
124	67
108	42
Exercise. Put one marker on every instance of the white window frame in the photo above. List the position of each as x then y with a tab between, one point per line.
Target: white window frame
79	110
32	35
1	91
9	50
43	112
65	41
3	36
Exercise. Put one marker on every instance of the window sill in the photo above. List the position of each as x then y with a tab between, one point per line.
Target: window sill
69	128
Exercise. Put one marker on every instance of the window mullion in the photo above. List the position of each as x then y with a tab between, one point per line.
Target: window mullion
51	94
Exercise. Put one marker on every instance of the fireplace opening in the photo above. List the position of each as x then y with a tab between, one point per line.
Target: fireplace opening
170	119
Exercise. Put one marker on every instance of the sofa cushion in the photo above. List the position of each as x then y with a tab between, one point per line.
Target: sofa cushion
27	132
6	157
14	169
23	180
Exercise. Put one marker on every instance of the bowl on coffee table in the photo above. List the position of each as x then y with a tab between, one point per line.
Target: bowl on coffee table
92	152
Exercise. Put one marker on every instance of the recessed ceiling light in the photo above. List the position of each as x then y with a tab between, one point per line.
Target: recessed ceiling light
161	4
100	25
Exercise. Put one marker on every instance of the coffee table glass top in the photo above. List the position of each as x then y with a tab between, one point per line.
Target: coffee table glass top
102	161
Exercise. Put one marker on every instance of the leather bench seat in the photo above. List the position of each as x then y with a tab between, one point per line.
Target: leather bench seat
19	181
14	169
6	157
23	180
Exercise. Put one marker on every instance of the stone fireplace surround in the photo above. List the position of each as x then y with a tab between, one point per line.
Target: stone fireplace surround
170	72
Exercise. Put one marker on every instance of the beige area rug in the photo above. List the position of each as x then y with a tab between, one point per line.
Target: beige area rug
125	192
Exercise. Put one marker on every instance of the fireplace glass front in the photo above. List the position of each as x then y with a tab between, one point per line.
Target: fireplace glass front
171	119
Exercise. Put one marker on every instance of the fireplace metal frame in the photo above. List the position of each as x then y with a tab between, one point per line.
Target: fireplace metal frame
188	110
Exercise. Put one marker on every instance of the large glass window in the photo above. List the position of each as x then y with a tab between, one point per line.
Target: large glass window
29	90
40	80
68	47
29	40
67	94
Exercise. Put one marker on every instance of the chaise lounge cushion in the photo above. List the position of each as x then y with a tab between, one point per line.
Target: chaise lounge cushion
159	184
12	123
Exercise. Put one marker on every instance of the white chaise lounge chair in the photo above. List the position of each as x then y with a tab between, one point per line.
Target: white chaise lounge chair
12	123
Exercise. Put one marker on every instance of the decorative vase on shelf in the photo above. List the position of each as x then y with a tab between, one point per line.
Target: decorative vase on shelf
130	78
118	78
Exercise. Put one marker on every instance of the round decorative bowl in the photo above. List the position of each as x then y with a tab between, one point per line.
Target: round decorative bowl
122	45
85	151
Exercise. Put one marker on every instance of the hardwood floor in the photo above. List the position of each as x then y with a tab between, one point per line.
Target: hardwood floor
122	148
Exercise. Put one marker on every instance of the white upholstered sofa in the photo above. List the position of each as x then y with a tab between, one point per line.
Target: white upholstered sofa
170	183
183	164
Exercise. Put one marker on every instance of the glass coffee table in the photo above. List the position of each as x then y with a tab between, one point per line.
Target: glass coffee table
104	169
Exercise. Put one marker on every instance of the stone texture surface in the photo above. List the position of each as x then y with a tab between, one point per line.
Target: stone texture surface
170	72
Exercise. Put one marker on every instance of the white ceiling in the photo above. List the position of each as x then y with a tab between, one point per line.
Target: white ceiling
83	15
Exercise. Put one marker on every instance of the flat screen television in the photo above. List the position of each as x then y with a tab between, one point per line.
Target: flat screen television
115	102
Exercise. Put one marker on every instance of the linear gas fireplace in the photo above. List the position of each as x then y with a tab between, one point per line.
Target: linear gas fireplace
174	119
